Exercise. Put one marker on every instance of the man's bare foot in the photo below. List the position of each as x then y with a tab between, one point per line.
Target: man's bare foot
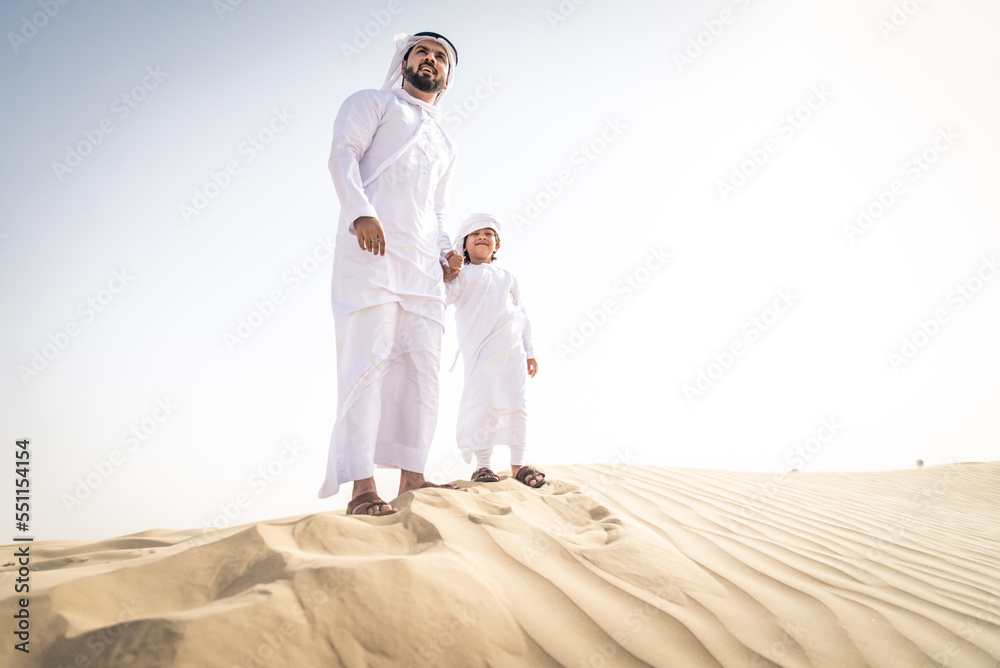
409	481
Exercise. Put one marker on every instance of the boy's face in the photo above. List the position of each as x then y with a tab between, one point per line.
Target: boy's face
481	244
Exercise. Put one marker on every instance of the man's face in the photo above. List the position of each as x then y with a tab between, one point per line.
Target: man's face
426	68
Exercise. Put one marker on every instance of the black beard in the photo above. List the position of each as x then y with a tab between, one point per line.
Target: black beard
422	82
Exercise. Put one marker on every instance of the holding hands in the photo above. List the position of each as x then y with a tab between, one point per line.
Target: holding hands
371	238
455	262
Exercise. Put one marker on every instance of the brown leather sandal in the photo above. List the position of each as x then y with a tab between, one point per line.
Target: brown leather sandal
530	471
364	504
484	475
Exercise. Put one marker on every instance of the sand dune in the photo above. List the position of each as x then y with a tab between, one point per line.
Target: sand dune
605	566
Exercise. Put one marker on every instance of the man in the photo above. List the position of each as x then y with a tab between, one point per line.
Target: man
391	164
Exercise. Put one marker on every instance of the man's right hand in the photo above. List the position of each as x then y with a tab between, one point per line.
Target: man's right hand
371	236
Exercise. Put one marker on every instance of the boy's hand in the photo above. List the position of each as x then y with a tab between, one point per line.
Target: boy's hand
532	366
371	236
455	262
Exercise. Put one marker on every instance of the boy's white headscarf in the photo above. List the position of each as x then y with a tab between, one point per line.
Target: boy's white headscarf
394	79
476	221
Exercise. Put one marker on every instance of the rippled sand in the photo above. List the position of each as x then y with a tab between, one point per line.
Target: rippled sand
604	566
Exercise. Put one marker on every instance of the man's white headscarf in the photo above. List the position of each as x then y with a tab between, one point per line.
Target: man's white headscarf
404	42
476	221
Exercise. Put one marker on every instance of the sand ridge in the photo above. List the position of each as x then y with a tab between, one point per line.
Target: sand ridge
605	566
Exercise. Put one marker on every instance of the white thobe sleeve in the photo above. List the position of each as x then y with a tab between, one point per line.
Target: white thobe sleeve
515	293
441	196
453	289
353	130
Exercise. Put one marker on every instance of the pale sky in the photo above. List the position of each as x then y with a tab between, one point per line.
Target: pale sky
751	235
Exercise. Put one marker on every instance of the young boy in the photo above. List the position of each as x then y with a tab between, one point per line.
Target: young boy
494	337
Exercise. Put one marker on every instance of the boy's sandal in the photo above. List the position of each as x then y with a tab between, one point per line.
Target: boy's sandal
526	472
485	475
369	504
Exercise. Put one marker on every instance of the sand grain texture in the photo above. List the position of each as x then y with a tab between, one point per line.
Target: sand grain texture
605	566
